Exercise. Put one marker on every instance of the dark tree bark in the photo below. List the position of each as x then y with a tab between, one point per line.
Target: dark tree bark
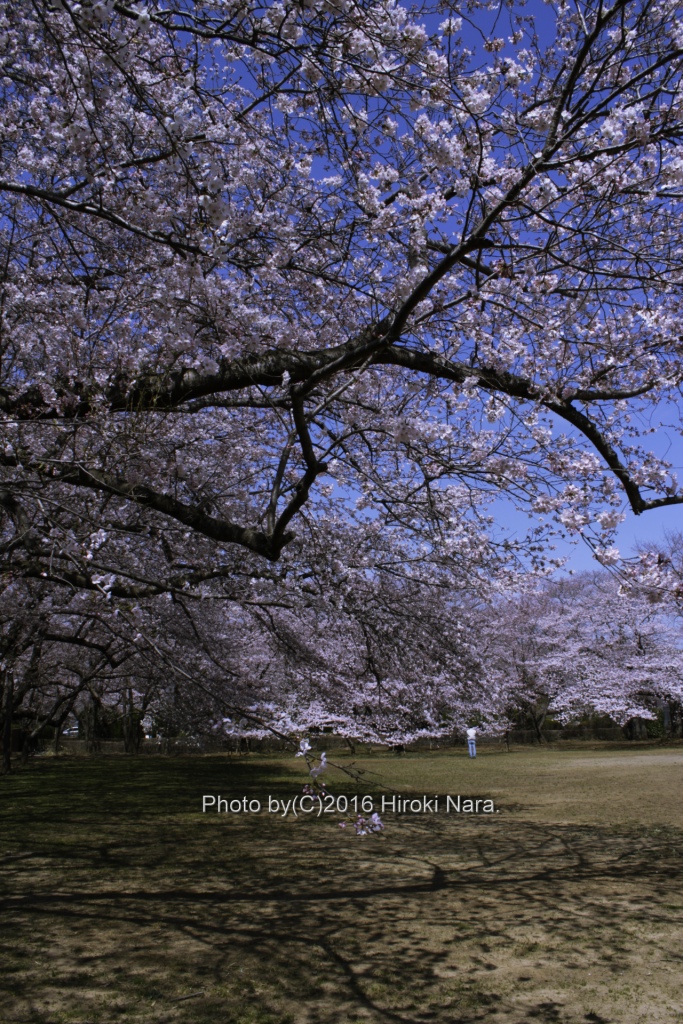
132	726
91	726
7	708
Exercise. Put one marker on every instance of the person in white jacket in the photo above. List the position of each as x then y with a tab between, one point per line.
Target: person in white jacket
472	742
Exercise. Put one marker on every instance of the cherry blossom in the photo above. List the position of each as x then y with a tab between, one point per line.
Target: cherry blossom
293	294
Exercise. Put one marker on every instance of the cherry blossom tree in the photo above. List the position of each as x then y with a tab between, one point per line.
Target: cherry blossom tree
585	646
290	294
370	657
65	654
267	265
350	648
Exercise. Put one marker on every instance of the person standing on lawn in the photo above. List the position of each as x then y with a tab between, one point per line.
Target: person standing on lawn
472	741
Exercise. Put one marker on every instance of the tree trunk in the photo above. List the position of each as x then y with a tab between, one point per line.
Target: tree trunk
59	724
132	729
90	722
538	725
636	729
7	707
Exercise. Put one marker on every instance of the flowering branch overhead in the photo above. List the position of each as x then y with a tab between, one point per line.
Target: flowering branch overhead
276	269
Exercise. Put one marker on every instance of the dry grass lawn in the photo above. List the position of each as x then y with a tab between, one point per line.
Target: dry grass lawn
124	904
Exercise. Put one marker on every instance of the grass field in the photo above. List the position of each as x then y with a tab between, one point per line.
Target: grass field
122	902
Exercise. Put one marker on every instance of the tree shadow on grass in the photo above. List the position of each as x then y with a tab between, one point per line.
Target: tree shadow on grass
274	920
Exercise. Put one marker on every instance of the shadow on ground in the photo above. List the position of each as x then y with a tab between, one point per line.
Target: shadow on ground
122	903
